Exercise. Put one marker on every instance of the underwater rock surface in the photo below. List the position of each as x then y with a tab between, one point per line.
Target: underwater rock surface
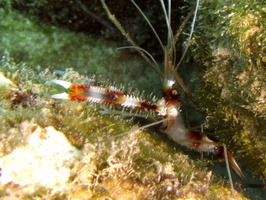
232	74
45	160
144	164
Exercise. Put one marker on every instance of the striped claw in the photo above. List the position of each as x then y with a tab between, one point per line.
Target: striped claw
105	95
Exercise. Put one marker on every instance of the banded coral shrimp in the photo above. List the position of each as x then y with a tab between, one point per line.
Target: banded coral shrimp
167	109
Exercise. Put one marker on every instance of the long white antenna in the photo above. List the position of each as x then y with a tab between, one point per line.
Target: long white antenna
190	35
134	47
228	169
143	127
147	20
168	22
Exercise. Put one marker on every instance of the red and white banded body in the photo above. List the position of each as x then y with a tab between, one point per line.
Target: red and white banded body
168	108
175	127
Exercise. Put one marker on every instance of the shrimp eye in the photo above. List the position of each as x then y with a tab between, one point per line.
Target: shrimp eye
171	95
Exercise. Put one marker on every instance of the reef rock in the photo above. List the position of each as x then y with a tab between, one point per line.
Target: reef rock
45	161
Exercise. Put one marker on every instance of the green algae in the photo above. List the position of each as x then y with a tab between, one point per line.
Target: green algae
44	45
231	68
145	164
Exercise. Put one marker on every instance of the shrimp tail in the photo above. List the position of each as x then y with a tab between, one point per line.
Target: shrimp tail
222	152
234	165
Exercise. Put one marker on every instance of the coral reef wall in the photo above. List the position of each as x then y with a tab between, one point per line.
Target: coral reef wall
230	51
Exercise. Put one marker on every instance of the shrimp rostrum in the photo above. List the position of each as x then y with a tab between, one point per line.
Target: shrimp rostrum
168	108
